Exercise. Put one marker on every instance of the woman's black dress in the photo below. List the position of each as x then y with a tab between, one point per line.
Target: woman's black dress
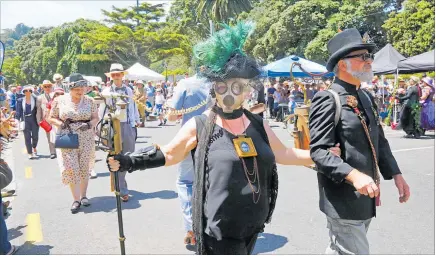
232	218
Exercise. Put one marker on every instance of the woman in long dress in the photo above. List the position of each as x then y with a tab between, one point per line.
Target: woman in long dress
427	112
77	112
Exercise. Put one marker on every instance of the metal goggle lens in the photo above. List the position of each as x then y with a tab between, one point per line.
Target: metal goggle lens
236	87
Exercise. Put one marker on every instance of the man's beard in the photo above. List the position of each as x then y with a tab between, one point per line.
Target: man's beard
363	76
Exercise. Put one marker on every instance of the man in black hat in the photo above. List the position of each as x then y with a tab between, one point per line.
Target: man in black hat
349	185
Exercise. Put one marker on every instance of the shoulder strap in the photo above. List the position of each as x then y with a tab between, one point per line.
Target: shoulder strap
338	105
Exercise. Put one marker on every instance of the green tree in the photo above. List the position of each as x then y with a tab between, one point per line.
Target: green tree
223	10
366	15
12	71
10	36
183	19
127	44
47	51
145	16
286	27
411	31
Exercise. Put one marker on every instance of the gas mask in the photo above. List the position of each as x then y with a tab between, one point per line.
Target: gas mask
230	94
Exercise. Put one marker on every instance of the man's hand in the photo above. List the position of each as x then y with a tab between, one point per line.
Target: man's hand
403	188
364	184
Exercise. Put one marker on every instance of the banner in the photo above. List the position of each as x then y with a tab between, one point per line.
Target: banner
2	54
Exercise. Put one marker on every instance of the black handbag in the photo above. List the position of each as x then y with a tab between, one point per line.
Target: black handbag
68	140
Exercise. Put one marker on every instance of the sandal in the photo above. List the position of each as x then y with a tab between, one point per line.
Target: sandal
75	207
125	198
85	201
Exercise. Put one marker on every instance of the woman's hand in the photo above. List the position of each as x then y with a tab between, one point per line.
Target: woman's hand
84	126
336	150
113	164
66	123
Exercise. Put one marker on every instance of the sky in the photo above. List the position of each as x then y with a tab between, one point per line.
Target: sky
54	13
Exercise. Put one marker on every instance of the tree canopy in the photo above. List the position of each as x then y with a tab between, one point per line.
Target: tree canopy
147	35
411	31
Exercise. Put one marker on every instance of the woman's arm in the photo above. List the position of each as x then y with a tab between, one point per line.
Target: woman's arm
284	155
54	114
94	115
425	94
152	157
181	145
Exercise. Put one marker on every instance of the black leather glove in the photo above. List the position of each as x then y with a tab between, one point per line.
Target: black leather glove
125	162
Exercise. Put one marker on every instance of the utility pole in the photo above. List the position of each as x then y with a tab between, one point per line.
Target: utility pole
137	10
211	27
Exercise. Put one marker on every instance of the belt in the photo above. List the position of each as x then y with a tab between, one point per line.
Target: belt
28	115
80	121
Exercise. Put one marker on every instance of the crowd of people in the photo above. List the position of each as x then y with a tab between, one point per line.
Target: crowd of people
219	144
410	106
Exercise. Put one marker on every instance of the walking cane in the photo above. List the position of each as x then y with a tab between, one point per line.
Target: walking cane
115	180
114	117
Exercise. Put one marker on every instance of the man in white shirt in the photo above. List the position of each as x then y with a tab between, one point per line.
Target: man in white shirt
128	126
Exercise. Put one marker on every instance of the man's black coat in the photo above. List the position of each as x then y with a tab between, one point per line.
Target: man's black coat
339	199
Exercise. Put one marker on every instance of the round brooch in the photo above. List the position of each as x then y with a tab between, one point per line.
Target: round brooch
352	101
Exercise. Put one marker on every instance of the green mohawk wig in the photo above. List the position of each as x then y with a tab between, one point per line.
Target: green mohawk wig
216	53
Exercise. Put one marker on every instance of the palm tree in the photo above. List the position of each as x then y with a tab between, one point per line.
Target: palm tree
223	10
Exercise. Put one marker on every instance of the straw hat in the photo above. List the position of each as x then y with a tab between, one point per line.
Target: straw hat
57	77
46	82
116	68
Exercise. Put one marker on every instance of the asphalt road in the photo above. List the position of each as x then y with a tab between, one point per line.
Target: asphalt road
40	219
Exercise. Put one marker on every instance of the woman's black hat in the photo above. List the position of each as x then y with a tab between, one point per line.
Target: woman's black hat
343	43
77	80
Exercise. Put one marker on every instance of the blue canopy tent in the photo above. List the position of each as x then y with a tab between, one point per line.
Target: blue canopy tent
282	68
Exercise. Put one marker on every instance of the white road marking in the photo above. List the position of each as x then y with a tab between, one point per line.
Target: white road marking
410	149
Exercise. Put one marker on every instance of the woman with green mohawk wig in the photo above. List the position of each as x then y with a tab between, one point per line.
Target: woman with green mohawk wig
235	152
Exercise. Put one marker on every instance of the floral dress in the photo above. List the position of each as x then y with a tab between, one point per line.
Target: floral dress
75	163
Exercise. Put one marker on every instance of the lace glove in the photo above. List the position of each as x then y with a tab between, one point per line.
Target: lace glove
66	123
85	126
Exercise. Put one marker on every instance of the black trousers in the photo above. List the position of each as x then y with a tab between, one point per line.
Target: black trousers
408	121
271	107
31	136
229	246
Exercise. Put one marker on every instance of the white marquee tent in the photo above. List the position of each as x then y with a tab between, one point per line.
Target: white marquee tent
139	72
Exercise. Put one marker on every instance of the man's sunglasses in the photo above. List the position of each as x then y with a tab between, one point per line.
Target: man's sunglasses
24	91
47	86
362	56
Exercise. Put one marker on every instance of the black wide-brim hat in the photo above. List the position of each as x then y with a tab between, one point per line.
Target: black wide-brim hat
343	43
77	80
